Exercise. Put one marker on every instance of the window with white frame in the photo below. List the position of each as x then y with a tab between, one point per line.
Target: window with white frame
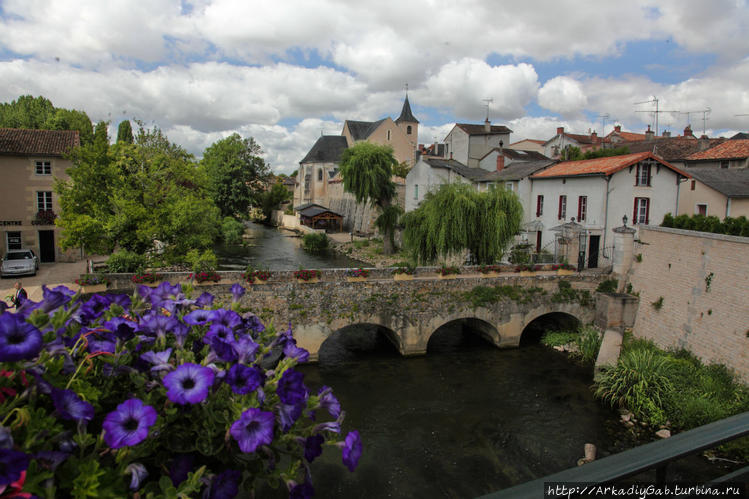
642	211
643	174
43	168
509	186
44	200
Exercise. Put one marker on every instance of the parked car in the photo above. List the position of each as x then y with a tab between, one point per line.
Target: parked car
19	262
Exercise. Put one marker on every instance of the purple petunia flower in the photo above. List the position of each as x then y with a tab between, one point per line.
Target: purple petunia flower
225	485
71	407
245	348
188	384
223	349
253	429
205	300
128	425
252	322
122	328
228	318
51	459
12	464
138	473
92	309
291	389
243	379
19	340
313	447
197	317
329	402
156	324
301	490
160	360
236	292
181	465
101	342
292	351
55	298
218	331
289	414
352	449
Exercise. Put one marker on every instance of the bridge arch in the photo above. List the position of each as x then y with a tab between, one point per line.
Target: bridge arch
358	336
535	325
476	326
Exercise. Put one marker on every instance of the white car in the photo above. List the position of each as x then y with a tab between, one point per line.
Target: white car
19	262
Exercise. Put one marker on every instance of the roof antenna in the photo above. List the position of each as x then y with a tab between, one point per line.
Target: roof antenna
487	101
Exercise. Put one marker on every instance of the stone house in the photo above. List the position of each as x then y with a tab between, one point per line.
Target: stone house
528	145
598	193
317	168
732	153
468	143
554	147
715	191
30	162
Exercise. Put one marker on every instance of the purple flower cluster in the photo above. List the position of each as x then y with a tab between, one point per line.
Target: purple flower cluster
167	375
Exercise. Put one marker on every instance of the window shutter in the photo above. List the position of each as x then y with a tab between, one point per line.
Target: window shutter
579	207
559	212
647	210
650	175
634	213
637	176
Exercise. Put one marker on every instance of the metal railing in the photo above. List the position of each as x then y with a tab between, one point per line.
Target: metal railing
655	455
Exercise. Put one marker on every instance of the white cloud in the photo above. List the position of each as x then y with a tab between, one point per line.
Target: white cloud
563	95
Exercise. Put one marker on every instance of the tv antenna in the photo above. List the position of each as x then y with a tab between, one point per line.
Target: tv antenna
603	117
657	111
486	102
704	112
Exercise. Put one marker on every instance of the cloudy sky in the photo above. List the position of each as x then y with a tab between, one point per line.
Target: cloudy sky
284	71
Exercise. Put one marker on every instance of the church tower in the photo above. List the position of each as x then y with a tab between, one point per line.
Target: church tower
408	123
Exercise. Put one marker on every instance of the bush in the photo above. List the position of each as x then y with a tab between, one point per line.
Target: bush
126	262
608	286
738	226
558	338
201	262
232	230
315	242
588	343
520	254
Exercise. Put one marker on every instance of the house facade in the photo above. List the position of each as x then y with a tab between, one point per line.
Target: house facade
468	143
598	193
732	153
528	145
429	173
715	192
317	168
555	146
30	162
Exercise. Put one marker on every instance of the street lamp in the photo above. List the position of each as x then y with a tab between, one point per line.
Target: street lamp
624	220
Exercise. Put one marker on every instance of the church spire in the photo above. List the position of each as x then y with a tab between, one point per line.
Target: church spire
406	114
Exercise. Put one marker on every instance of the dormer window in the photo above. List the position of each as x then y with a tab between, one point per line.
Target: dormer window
643	174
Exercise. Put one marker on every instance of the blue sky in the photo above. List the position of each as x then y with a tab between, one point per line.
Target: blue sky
282	72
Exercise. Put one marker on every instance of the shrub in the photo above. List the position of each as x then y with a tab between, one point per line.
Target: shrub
657	304
608	286
232	230
558	338
520	253
588	343
315	242
126	262
201	262
211	414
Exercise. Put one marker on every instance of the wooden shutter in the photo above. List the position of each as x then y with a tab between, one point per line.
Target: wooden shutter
637	176
647	210
634	213
559	211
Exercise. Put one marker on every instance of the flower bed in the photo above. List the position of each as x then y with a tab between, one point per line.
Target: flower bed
528	268
449	271
307	275
490	269
91	280
357	273
256	276
205	277
167	395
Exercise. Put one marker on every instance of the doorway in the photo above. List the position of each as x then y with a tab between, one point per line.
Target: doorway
593	249
46	246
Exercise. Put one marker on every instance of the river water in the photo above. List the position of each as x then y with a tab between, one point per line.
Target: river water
268	248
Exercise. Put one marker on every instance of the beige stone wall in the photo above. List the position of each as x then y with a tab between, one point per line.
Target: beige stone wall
702	194
18	201
712	323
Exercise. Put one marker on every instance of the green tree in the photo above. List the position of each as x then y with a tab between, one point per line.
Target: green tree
236	174
457	217
26	112
367	171
570	153
125	132
65	119
401	169
605	153
270	199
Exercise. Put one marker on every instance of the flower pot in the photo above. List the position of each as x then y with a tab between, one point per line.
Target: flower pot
93	288
205	283
565	272
356	279
403	277
449	276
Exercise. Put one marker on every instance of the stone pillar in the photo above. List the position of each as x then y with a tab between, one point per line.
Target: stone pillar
624	242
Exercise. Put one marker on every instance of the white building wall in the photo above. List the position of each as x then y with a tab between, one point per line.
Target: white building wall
457	145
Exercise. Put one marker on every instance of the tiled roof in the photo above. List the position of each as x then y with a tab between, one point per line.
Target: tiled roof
406	114
472	129
458	167
740	135
628	136
535	141
669	148
727	150
327	149
601	166
19	141
520	170
360	130
731	182
517	154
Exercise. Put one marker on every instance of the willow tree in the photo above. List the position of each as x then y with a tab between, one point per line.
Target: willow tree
367	171
457	217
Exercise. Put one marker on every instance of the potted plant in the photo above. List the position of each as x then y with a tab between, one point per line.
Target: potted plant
92	283
527	270
449	272
404	272
252	276
148	278
205	278
357	275
490	270
304	275
563	268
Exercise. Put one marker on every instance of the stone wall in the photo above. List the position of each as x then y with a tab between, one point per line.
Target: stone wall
704	282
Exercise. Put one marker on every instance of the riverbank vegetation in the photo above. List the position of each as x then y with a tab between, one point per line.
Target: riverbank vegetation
315	242
672	388
582	344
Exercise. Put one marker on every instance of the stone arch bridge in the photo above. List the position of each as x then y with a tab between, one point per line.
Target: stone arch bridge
409	312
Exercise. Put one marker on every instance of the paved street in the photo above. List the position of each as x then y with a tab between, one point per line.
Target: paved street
50	274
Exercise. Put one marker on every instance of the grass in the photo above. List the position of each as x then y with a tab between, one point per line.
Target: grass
587	339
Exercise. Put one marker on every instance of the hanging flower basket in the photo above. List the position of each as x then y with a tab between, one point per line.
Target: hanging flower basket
449	272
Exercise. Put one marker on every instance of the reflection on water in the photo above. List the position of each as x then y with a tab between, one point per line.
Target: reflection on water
275	249
464	420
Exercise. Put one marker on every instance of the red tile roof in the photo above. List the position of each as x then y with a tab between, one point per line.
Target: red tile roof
628	136
601	166
23	142
535	141
727	150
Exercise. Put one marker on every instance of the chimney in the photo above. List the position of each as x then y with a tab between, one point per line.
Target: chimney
688	131
649	134
560	130
500	161
594	137
666	134
618	128
487	125
704	143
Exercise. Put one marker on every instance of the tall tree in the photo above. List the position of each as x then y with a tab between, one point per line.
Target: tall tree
26	112
236	174
367	171
270	199
457	217
125	132
66	119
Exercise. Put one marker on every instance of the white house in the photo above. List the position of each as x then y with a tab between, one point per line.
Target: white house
429	173
468	143
598	193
